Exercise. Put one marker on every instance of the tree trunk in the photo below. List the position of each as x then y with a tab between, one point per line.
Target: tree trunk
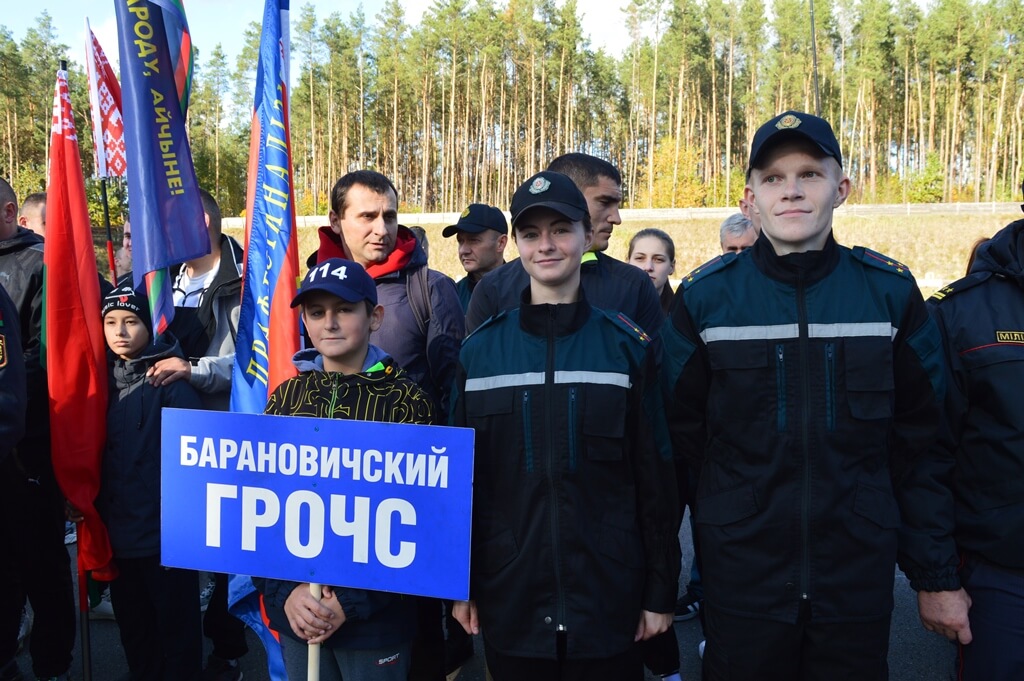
728	123
997	134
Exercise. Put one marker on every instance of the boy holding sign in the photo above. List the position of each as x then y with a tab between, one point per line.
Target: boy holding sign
363	632
575	553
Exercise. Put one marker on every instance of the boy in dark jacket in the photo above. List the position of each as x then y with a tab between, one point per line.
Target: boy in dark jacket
157	608
364	633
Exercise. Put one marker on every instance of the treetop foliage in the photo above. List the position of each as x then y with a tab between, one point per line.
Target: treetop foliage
927	103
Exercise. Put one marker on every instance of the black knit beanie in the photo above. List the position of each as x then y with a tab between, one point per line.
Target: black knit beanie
126	298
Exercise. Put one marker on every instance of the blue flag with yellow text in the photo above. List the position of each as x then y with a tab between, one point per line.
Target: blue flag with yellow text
165	211
268	327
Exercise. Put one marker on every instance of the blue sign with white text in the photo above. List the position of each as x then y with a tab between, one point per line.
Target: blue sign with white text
380	506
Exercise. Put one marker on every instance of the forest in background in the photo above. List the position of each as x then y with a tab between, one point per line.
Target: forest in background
928	103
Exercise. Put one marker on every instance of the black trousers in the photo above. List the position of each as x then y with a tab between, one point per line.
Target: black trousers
157	611
744	649
660	654
428	646
623	667
225	631
997	623
34	564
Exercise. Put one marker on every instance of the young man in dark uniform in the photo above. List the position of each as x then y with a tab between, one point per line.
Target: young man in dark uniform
804	383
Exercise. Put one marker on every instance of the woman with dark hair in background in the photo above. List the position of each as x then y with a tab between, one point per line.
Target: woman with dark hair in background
653	251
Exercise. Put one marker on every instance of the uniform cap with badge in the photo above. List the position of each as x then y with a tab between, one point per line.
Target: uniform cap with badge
551	190
478	217
793	124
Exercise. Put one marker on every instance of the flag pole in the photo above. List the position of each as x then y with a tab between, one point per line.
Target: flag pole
83	615
106	224
313	667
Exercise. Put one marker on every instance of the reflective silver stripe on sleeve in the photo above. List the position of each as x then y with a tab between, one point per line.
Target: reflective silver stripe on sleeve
504	381
852	330
593	377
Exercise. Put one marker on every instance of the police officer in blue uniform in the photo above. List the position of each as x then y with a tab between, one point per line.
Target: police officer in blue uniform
981	318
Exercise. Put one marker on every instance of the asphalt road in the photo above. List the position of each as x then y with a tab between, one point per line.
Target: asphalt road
914	654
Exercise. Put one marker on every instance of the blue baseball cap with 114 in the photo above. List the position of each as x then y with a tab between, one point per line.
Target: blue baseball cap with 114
340	277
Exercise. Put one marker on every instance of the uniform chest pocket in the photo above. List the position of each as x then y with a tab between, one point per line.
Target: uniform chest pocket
869	378
987	358
749	378
725	355
603	422
492	412
483	403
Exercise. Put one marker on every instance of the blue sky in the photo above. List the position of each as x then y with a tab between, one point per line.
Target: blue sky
213	21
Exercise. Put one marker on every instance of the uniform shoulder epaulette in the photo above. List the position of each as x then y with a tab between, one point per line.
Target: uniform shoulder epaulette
959	286
484	324
627	325
881	261
714	265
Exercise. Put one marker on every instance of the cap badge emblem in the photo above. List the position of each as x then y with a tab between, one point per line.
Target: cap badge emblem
540	185
788	122
465	213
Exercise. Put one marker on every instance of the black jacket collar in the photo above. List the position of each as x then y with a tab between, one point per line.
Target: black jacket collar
808	267
552	320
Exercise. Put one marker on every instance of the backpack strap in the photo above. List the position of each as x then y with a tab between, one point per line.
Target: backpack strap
417	290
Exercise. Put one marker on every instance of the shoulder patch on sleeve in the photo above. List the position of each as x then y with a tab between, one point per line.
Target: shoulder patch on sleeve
881	261
624	323
714	265
958	286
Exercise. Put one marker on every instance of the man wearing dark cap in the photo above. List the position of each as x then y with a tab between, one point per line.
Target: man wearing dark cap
610	284
575	551
482	234
804	381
